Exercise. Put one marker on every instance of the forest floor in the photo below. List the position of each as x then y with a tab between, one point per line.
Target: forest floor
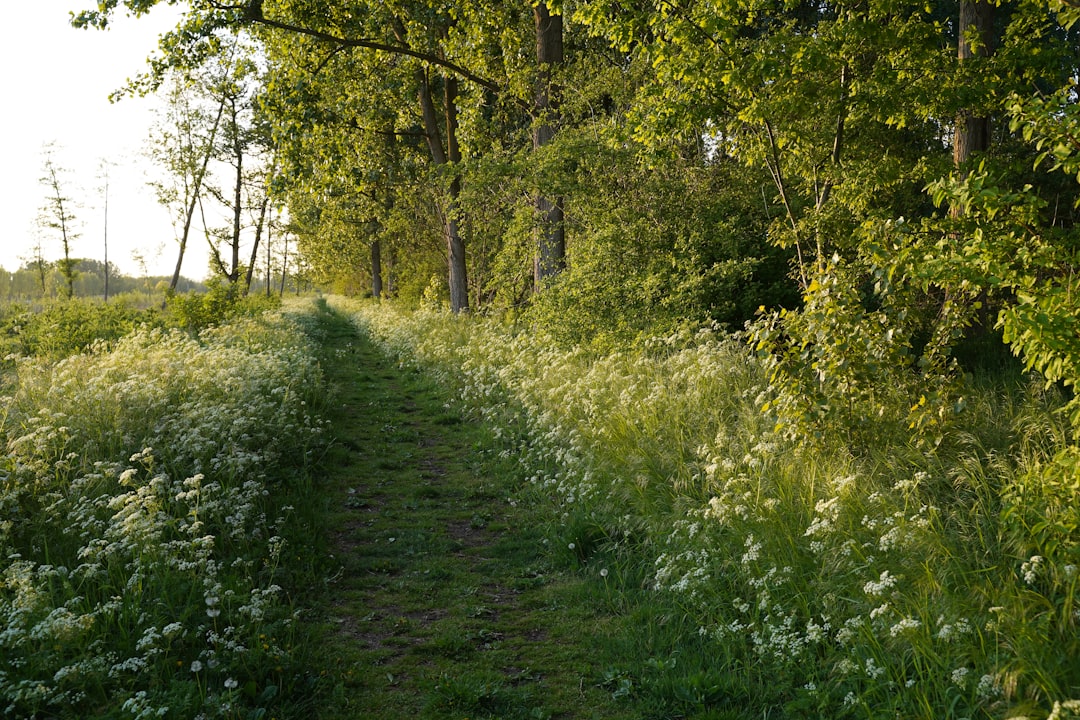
441	602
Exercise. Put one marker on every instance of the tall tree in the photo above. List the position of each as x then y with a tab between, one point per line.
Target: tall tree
103	174
551	233
975	40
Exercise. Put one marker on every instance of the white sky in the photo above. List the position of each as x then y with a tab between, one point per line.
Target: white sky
56	86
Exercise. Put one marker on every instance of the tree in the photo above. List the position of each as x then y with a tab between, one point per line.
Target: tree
58	216
103	174
183	144
551	233
440	47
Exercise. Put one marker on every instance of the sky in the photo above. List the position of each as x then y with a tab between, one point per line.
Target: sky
57	82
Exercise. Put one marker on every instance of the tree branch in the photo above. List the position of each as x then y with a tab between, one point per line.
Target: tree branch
252	14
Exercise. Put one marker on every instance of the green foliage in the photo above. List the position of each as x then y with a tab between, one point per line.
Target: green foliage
222	302
854	574
60	329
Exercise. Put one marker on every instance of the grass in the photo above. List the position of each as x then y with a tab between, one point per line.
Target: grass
443	599
500	528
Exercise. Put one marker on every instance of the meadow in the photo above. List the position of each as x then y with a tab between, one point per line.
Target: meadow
152	491
862	573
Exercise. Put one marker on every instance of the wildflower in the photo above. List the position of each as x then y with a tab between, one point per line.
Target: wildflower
959	676
196	666
603	572
873	670
1030	569
231	684
883	583
903	626
987	688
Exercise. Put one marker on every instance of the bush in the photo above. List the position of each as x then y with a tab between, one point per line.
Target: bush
221	302
67	327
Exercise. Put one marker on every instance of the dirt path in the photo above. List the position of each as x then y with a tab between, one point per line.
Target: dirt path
441	603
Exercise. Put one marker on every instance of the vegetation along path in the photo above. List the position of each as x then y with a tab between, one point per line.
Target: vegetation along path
440	603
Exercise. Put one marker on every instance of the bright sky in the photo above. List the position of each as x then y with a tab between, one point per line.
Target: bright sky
56	86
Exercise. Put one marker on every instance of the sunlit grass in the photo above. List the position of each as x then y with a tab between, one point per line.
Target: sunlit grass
827	577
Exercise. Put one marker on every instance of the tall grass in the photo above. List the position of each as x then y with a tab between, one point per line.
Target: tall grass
144	518
839	577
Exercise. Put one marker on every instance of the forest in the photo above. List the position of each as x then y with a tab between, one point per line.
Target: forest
772	303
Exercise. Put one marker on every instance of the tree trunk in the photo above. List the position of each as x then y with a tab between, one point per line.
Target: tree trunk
284	267
269	282
455	245
196	191
376	270
255	247
551	235
106	233
238	209
972	132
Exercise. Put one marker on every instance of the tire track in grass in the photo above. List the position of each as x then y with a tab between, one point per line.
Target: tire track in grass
439	602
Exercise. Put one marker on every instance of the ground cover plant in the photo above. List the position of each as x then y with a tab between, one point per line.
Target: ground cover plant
149	499
859	574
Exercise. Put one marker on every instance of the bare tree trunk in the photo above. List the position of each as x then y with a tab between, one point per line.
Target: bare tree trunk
284	267
269	283
551	235
106	234
255	247
238	209
196	192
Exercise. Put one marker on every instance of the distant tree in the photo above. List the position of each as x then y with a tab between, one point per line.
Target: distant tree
37	265
103	175
57	215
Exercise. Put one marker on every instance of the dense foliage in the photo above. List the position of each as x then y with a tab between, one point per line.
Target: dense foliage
881	195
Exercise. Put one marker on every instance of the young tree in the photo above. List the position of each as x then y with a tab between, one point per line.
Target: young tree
103	175
58	216
183	144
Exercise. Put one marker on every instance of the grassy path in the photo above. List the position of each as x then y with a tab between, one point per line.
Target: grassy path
440	602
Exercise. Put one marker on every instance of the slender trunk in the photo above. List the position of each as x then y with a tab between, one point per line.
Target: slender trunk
455	245
238	196
284	267
255	246
196	192
551	234
269	229
106	233
376	270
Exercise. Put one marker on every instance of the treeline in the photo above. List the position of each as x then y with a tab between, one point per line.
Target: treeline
619	168
38	281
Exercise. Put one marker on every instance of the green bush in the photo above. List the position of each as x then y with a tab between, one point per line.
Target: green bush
64	328
221	302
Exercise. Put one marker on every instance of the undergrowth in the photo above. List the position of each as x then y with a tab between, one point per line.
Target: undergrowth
852	574
152	496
